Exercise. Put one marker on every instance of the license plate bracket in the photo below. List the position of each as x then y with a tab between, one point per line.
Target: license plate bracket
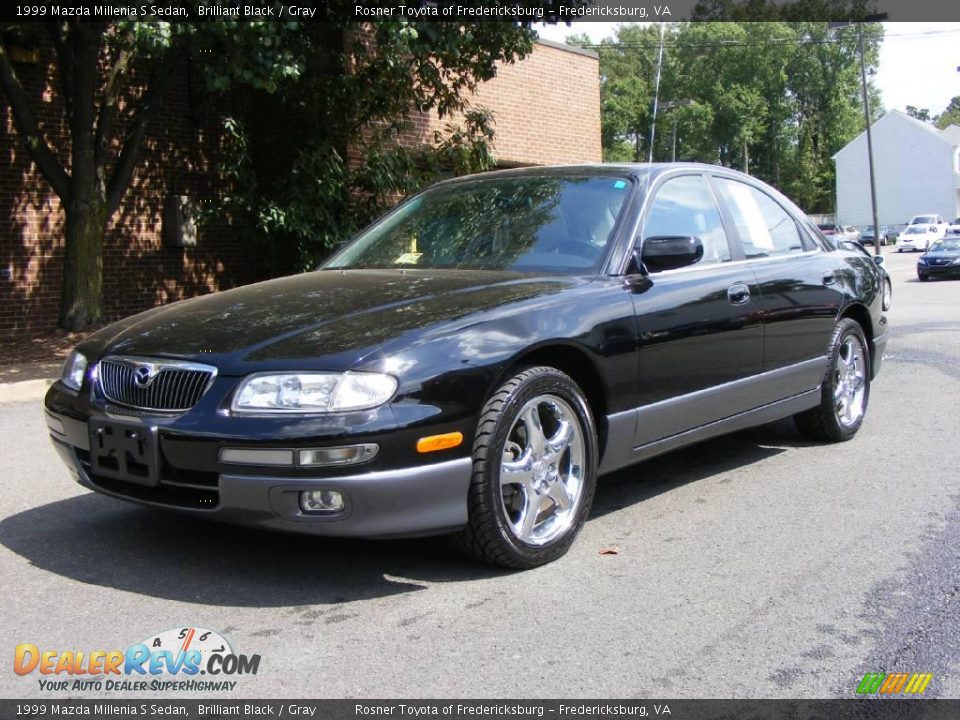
125	452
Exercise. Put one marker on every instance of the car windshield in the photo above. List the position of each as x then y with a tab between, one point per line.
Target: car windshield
948	245
528	224
915	230
924	219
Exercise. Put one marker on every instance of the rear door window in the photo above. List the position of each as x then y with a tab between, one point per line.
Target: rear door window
766	229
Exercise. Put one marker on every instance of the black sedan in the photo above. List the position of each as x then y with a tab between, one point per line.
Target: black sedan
941	260
471	363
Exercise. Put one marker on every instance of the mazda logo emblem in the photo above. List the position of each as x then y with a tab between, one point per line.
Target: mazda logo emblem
144	375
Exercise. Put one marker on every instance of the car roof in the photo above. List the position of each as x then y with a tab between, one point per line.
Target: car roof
635	170
641	171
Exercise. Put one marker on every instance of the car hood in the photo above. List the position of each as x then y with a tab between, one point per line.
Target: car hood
328	319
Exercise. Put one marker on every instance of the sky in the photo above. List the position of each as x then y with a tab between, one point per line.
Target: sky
918	61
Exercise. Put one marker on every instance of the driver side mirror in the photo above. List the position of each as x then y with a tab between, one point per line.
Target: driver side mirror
667	252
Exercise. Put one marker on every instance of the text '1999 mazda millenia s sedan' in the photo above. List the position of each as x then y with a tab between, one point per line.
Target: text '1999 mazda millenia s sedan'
472	362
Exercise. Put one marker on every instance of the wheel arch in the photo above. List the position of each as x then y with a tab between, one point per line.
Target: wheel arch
861	315
576	363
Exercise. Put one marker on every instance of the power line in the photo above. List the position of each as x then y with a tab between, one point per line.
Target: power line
759	43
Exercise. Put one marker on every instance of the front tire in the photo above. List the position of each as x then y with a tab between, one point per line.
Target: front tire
534	471
923	277
845	390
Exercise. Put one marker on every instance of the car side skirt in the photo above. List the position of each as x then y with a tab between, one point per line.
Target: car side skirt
628	440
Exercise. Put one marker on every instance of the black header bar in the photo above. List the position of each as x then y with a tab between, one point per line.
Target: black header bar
479	10
591	709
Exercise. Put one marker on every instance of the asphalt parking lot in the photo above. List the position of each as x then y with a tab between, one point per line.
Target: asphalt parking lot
755	565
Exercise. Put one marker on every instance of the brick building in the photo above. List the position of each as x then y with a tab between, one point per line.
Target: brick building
546	110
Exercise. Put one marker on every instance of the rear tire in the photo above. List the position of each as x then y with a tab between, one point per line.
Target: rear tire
534	471
845	390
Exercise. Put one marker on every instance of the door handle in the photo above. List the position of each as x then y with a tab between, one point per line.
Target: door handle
828	278
738	294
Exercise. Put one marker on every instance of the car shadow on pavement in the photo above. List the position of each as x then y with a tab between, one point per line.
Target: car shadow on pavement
695	462
102	541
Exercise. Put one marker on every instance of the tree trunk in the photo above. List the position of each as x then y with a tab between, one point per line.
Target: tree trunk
81	299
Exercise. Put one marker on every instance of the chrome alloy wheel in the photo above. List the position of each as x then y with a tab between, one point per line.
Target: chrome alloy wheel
849	386
542	470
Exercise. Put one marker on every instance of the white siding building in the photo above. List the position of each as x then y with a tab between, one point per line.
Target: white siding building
917	170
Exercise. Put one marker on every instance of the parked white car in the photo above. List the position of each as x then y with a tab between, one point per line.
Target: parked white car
850	232
919	237
926	219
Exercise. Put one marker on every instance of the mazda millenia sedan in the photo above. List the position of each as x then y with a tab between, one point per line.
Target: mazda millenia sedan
471	363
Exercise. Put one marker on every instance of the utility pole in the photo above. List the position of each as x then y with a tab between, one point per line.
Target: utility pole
670	105
866	116
656	94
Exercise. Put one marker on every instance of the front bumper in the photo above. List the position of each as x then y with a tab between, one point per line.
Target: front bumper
911	246
939	270
425	500
398	493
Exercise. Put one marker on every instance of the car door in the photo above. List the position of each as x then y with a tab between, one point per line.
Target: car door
699	327
800	288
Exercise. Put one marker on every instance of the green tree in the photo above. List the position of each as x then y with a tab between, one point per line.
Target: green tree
335	83
950	116
775	98
922	114
628	63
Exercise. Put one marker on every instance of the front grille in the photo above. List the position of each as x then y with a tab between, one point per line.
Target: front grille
162	385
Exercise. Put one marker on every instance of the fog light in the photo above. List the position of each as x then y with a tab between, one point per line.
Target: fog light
321	501
346	455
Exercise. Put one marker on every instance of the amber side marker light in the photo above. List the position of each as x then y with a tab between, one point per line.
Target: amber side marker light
433	443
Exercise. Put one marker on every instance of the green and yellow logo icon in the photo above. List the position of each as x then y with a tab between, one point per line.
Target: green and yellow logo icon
894	683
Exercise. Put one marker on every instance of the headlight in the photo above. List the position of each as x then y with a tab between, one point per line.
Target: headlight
955	261
313	392
921	260
73	370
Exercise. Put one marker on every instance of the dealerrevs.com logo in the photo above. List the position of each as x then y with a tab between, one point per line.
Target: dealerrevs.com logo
173	660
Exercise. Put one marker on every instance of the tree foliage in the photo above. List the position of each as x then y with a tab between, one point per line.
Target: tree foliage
316	162
311	117
775	98
950	116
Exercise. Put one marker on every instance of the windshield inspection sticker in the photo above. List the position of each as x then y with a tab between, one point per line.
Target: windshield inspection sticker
408	258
